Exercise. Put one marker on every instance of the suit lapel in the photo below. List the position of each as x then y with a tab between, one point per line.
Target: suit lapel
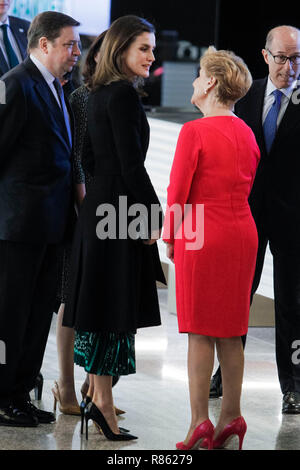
46	95
72	119
258	104
3	64
290	118
20	36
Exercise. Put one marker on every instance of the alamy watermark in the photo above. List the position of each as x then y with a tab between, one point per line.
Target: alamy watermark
296	94
2	92
296	354
135	222
2	352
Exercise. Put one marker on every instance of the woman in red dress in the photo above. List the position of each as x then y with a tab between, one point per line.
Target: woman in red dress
211	237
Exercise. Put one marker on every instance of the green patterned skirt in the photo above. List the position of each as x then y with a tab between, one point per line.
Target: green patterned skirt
105	353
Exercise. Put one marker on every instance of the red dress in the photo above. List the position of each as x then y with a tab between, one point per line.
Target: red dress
216	239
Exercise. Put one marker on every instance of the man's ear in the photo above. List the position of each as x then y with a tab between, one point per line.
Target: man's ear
43	43
265	54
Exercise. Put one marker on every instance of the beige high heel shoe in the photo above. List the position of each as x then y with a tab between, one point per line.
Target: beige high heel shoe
66	410
118	411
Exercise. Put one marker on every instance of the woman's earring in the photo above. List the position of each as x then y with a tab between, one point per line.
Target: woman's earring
205	91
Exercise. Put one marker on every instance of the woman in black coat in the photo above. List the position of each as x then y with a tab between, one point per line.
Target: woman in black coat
115	261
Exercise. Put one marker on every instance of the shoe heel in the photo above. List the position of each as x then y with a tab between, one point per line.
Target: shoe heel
38	389
242	433
86	428
82	420
210	444
241	440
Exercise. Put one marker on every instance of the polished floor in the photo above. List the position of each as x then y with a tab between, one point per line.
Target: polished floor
156	398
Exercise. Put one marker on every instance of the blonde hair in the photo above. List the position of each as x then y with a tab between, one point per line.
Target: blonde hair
233	78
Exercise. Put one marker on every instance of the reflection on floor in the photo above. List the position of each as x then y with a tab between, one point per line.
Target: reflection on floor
156	398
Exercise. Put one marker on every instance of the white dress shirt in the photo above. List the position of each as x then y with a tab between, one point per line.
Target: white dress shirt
12	41
269	99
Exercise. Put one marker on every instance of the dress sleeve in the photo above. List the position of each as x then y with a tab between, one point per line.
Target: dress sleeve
125	113
87	157
181	177
78	102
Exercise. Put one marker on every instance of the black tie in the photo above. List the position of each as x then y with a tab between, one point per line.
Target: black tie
11	55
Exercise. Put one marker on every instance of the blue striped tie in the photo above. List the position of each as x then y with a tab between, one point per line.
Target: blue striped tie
270	124
60	92
11	55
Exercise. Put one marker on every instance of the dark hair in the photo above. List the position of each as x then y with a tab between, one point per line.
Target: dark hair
90	63
48	24
121	34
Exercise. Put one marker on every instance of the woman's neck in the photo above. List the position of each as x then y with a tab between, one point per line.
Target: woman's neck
211	107
218	111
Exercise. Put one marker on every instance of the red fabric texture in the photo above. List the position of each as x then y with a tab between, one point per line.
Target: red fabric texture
214	234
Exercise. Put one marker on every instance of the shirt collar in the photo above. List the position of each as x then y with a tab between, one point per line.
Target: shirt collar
44	71
5	22
286	91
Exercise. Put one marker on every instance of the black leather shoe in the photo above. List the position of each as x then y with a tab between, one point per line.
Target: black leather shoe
291	403
43	417
216	389
10	416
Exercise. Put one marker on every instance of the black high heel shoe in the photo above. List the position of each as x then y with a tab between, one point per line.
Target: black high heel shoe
38	387
83	405
92	412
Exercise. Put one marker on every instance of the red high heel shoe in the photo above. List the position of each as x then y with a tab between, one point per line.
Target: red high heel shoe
237	427
205	431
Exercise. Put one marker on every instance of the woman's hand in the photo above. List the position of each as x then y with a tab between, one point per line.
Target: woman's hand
79	196
170	251
155	235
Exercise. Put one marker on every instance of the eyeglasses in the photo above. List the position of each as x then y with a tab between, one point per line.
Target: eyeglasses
281	59
72	44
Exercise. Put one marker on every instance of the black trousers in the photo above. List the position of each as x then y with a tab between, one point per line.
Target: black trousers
286	273
29	276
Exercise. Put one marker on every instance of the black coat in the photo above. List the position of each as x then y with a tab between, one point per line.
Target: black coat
275	196
113	281
19	28
35	161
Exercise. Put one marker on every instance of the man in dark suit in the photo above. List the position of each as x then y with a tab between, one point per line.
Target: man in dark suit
13	38
271	108
36	207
